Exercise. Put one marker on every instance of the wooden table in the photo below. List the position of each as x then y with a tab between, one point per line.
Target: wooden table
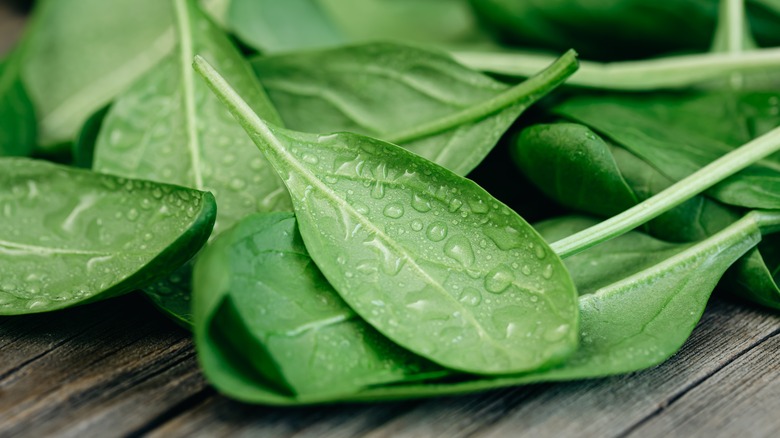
120	368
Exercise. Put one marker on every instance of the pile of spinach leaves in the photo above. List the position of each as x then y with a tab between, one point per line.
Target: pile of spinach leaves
323	191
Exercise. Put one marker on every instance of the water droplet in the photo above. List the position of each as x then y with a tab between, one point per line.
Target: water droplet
459	249
436	231
539	252
470	296
310	158
360	207
498	280
421	203
417	225
394	210
237	184
478	206
455	204
526	270
378	192
132	214
547	272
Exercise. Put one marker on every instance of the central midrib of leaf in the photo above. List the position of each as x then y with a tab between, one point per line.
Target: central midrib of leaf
186	53
43	250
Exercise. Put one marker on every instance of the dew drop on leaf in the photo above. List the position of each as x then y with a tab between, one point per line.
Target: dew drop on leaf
498	280
393	210
459	249
436	231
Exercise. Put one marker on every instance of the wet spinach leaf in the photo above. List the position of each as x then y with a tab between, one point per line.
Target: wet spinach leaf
667	131
82	53
169	127
84	146
257	289
71	236
418	99
629	322
426	257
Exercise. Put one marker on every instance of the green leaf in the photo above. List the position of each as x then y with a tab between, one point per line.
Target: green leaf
86	140
628	324
17	115
82	53
169	127
272	26
71	236
573	156
426	257
675	135
416	98
257	289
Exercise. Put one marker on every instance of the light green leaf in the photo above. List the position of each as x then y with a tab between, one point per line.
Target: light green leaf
71	236
169	127
84	52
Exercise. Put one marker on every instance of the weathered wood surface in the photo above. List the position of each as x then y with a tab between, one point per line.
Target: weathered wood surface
119	368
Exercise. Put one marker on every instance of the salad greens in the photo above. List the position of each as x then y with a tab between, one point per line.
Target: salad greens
351	258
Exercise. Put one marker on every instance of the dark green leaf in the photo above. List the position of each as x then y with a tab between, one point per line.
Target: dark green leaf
71	236
17	115
428	258
680	134
573	156
84	146
418	99
257	287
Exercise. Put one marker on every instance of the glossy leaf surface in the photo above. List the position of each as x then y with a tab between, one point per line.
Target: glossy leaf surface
71	236
85	52
680	134
257	289
572	156
169	127
418	99
628	323
428	258
17	115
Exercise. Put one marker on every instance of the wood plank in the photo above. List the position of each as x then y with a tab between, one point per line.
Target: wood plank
113	366
601	407
741	400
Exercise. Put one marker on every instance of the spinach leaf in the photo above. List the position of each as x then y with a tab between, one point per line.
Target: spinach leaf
272	26
84	146
168	127
618	29
82	53
416	98
628	323
257	289
672	134
426	257
573	156
17	115
71	236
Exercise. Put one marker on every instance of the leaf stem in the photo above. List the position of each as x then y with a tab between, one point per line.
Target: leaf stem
653	74
527	92
673	196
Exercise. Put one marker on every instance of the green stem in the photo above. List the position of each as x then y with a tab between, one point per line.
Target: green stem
733	32
527	92
653	74
768	220
673	196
